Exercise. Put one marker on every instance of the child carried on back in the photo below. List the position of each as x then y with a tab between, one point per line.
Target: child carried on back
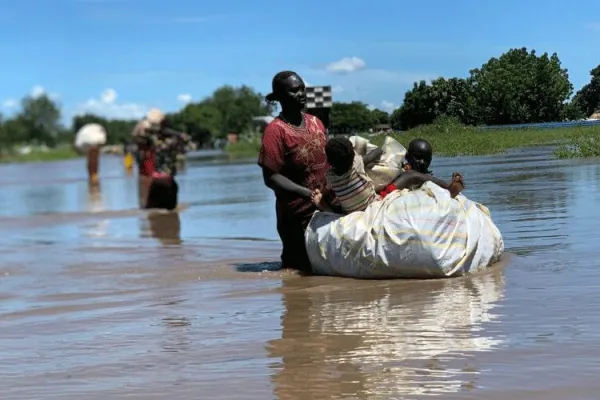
348	179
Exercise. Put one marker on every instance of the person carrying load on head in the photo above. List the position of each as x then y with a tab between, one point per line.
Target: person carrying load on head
88	140
158	145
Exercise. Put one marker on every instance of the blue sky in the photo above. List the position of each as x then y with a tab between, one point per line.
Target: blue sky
119	57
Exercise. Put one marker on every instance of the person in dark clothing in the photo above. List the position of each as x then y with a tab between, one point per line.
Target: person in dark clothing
158	147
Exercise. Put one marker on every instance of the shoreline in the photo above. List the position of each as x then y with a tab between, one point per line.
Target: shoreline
454	140
36	156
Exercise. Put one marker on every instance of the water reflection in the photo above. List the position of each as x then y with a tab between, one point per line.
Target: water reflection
95	201
96	204
383	338
41	199
162	225
535	192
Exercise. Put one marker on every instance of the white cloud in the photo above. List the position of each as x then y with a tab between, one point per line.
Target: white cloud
38	91
107	106
184	98
346	65
385	105
109	96
10	103
369	80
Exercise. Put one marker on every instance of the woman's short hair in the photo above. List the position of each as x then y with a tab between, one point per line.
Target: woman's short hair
278	85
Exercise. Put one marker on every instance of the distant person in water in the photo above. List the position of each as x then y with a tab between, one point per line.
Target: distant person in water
294	165
93	163
355	190
128	155
158	146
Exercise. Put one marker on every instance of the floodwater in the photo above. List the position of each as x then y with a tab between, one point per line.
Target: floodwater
101	301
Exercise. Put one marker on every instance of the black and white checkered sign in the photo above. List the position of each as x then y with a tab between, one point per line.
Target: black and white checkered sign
319	97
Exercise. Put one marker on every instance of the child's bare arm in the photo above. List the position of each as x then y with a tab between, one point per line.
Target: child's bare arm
372	156
413	178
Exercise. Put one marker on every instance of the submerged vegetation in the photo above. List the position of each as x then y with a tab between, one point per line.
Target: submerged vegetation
450	138
58	153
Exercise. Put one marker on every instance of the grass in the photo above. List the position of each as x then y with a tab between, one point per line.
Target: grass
452	139
243	149
56	154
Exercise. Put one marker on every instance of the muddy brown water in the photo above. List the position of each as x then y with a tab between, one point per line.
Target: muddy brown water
101	301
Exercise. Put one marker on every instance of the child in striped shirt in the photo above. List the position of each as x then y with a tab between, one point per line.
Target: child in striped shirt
353	187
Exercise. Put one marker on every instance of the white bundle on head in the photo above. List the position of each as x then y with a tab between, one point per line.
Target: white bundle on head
155	116
90	135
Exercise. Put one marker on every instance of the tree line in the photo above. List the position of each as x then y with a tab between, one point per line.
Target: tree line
520	86
228	109
516	88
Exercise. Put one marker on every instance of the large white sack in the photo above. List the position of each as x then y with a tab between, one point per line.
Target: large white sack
90	135
410	234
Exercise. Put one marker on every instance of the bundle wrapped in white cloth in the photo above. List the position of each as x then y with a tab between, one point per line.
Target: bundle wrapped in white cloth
90	135
388	167
423	233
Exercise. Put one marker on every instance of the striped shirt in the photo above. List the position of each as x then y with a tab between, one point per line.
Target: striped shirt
354	189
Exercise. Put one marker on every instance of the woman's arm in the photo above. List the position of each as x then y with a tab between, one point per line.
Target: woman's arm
279	182
272	160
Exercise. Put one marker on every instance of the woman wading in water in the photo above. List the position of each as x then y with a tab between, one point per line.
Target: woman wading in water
294	165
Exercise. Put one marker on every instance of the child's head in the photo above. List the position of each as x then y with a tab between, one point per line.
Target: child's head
419	155
340	154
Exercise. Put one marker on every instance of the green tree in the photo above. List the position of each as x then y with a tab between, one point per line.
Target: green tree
418	107
40	117
236	108
572	112
455	98
425	103
521	87
203	121
350	118
12	132
587	99
380	117
395	119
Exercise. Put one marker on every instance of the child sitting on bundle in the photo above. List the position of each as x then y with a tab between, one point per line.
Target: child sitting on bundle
348	179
